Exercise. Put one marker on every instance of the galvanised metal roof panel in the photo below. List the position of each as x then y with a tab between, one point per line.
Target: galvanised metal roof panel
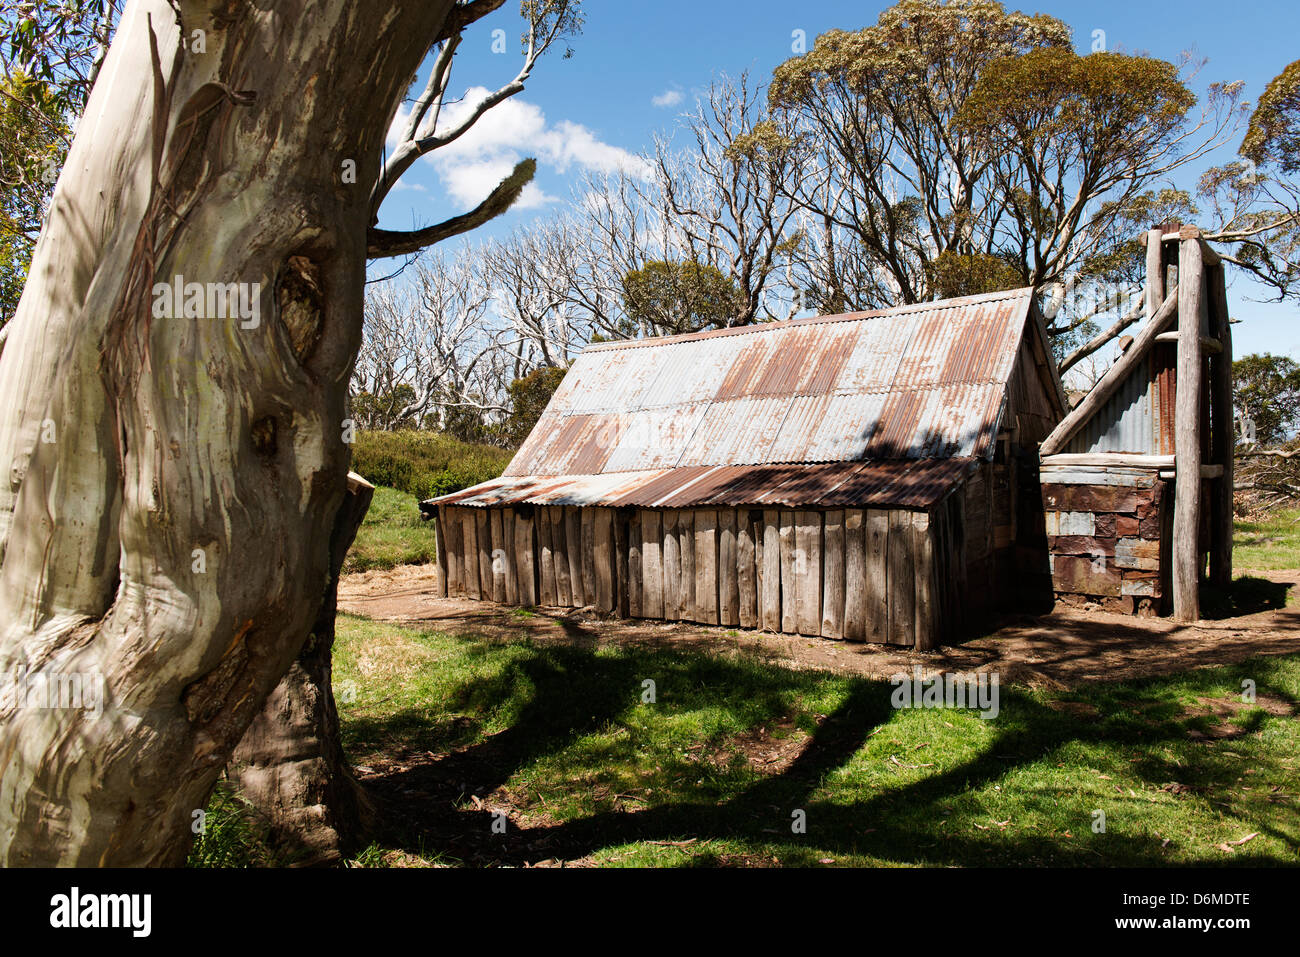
917	382
898	484
656	438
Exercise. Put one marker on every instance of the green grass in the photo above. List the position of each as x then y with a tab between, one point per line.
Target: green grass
879	787
425	464
560	737
392	534
1269	544
229	834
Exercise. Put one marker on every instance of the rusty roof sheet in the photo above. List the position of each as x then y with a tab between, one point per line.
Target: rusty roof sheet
914	383
916	484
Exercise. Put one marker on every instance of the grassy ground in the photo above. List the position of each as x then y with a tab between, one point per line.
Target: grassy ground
712	772
715	769
392	534
230	835
1268	544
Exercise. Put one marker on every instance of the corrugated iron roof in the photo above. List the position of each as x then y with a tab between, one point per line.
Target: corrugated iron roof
900	484
917	382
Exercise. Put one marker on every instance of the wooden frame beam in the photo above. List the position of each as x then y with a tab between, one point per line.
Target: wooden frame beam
1222	432
1187	438
1114	376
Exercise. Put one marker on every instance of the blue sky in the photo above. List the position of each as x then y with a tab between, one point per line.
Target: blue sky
638	64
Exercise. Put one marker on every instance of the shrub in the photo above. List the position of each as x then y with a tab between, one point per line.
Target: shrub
425	464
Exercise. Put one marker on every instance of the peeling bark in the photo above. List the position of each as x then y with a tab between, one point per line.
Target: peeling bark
290	764
171	483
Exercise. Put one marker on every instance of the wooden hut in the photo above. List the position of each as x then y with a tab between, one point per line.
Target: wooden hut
869	476
1137	479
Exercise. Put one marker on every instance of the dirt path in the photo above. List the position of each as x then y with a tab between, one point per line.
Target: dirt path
1059	650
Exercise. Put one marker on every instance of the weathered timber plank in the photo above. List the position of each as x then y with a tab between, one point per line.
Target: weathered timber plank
832	611
1084	576
619	524
923	554
808	571
706	566
508	555
483	535
672	566
1110	477
652	565
1070	523
1081	545
525	550
747	567
855	575
1144	589
573	546
789	591
769	597
902	580
602	552
960	601
440	543
455	553
876	591
728	569
1221	432
469	529
686	555
940	571
1138	553
546	552
560	552
1090	498
634	573
499	549
588	524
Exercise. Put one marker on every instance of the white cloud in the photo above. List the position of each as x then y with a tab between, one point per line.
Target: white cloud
398	127
470	183
667	98
473	165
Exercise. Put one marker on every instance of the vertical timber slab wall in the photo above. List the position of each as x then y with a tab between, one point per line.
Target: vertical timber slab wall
1108	534
883	575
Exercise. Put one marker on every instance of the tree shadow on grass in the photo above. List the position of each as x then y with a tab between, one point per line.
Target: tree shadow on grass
429	803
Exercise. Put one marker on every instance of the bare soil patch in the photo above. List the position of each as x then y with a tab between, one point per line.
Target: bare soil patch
1059	650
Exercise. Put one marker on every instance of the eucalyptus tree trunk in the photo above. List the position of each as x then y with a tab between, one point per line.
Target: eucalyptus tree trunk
168	485
290	764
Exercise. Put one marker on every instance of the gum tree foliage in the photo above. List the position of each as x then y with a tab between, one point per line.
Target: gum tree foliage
671	298
1273	136
528	398
31	149
960	145
1256	199
50	53
1267	392
176	499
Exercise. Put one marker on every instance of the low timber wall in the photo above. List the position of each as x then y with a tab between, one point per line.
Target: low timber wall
894	576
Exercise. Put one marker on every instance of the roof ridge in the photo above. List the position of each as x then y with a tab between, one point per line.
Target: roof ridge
614	345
